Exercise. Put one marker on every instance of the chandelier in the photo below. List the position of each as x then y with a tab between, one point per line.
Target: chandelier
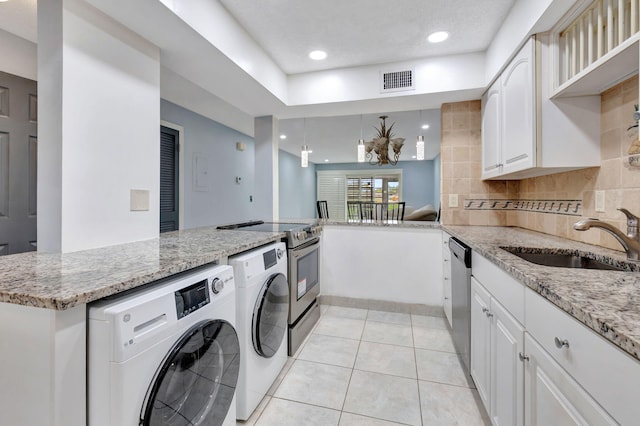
383	148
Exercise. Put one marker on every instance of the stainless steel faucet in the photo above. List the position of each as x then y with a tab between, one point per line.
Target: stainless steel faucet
630	241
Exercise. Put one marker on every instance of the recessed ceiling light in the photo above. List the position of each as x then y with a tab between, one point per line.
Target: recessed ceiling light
310	151
438	36
425	126
318	55
283	137
414	157
326	160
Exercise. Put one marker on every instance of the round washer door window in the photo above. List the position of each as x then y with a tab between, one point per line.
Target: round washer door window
270	316
197	379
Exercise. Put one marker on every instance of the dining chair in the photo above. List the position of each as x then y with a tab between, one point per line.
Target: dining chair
323	209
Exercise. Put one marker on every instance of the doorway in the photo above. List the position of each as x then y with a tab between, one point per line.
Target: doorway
18	164
169	179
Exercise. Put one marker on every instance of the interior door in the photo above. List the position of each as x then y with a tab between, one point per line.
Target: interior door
18	164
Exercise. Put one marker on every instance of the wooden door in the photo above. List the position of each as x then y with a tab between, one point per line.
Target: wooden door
18	164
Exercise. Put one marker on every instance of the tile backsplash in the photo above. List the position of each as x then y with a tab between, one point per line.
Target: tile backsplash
461	149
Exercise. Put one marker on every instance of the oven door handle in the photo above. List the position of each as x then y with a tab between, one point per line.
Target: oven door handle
305	249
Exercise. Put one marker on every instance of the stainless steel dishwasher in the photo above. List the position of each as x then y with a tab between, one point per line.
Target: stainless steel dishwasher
461	299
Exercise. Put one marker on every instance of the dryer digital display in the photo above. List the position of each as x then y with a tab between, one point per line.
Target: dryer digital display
270	259
192	298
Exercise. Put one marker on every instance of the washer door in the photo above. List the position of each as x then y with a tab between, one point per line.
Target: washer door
196	382
270	315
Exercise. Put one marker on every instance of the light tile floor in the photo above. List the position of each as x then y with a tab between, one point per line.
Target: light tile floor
366	367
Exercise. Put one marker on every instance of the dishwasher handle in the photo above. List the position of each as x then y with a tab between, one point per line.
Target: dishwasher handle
461	251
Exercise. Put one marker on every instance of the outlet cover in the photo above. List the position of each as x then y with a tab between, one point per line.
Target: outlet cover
139	200
599	201
453	200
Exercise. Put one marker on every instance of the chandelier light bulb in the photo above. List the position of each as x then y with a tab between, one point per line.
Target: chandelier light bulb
304	156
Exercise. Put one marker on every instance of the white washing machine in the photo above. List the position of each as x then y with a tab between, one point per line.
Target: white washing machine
167	354
261	318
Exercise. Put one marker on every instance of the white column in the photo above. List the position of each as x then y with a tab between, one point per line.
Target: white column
99	118
266	197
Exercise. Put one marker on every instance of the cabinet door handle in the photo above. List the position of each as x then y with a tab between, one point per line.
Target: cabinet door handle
561	343
487	312
523	357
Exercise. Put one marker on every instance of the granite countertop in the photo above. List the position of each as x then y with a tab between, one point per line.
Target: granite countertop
606	301
382	223
61	281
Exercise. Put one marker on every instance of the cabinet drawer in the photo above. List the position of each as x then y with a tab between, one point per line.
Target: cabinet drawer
504	288
611	376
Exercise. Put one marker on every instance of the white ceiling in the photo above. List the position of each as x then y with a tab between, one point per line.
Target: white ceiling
366	32
354	33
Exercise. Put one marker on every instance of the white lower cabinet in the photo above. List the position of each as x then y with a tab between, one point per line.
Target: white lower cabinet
534	364
497	341
552	396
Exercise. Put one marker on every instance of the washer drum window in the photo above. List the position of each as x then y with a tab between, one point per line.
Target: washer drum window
196	382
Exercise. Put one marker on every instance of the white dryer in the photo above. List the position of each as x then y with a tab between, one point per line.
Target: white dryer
261	318
167	354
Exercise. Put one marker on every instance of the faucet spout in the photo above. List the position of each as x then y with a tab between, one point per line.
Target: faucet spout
631	245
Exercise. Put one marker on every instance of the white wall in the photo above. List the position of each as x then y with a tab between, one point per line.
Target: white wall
19	56
525	18
393	264
432	75
101	137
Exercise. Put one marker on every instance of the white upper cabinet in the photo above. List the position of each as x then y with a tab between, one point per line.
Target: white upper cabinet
517	124
524	132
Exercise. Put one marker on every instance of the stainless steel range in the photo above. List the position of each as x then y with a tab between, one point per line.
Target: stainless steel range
303	250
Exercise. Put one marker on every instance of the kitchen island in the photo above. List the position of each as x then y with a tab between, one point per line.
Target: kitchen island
383	265
43	312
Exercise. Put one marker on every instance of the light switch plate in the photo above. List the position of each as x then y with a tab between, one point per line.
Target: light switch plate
139	200
599	201
453	200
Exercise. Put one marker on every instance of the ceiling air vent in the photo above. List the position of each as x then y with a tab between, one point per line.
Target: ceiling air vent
395	81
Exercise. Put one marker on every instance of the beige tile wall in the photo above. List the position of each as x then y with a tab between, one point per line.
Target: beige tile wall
461	157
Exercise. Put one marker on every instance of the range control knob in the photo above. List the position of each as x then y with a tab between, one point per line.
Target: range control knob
280	253
301	235
217	285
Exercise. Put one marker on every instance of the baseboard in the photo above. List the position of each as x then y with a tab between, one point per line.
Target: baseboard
382	305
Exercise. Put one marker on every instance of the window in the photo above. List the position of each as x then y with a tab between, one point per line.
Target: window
382	189
340	186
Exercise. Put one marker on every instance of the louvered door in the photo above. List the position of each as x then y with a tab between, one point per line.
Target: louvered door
168	179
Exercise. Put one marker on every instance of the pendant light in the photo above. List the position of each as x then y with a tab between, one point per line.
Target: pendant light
304	154
361	144
420	142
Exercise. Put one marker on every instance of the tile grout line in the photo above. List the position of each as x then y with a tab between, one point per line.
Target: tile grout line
415	359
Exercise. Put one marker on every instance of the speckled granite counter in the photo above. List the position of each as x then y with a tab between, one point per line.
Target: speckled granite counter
382	223
606	301
61	281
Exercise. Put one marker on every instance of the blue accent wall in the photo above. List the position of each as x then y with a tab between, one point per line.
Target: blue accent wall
297	188
419	179
223	200
436	182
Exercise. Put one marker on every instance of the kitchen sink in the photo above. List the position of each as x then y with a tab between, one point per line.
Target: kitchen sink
567	259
